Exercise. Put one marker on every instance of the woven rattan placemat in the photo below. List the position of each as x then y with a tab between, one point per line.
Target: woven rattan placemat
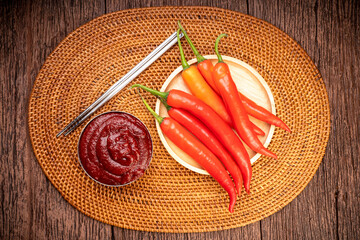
170	198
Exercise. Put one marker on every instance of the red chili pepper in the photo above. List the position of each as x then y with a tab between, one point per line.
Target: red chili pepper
214	122
229	94
206	68
261	113
199	88
256	129
199	130
192	146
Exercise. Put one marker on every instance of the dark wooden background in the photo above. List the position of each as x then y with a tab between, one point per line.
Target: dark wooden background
328	208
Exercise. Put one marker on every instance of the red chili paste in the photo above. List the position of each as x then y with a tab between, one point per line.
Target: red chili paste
115	148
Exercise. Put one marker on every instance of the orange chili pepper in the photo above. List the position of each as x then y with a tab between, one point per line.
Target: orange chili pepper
199	88
206	68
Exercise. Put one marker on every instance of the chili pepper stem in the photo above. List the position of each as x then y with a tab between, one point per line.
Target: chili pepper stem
217	46
197	54
157	117
154	92
184	63
165	104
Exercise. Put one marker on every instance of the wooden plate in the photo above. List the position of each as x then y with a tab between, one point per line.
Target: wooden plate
248	81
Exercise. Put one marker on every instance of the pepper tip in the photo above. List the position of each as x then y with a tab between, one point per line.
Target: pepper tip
247	187
238	191
274	156
231	207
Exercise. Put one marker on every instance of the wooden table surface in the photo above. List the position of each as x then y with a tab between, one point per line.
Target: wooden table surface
328	208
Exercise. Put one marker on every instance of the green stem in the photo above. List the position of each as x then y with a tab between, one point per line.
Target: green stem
165	104
184	63
154	92
217	45
158	118
197	54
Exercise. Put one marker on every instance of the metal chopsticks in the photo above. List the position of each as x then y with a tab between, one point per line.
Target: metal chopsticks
127	78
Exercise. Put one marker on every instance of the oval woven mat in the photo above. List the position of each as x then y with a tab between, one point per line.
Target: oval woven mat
170	198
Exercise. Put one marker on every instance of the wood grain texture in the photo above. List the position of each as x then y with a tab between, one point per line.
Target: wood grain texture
328	208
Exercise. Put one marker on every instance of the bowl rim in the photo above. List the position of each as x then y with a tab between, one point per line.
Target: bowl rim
82	131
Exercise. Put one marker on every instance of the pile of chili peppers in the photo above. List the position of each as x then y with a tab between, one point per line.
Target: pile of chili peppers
201	123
